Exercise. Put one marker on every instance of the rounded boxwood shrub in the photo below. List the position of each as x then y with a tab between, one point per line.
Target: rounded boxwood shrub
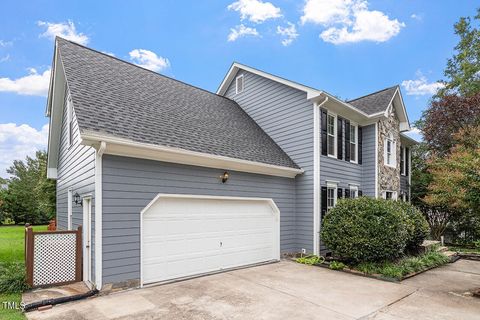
365	229
417	226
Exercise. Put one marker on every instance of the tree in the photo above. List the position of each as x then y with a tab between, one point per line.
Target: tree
444	117
463	69
29	195
455	184
421	176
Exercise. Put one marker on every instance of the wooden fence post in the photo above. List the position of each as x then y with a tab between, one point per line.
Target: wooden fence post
79	256
29	254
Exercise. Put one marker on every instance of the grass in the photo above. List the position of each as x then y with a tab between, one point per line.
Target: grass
403	267
12	251
12	242
464	249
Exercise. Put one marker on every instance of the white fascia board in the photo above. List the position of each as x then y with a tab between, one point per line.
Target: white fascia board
56	97
128	148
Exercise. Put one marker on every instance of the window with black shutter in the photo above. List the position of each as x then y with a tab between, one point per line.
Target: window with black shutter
323	202
407	163
347	140
347	193
339	138
360	193
324	132
339	193
360	139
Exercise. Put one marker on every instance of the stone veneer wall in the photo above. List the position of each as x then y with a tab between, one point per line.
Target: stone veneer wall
388	177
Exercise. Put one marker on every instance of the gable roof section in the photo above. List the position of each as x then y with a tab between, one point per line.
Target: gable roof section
114	98
375	102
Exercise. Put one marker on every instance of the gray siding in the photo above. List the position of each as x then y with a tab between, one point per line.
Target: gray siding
368	165
334	169
129	184
76	170
286	116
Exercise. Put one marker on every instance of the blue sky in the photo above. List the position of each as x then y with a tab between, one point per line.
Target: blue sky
346	47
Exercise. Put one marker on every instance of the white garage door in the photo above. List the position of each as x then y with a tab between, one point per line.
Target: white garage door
185	235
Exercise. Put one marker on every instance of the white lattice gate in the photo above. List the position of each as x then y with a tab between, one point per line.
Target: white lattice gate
53	257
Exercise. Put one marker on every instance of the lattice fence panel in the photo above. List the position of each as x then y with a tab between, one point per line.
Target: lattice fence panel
54	258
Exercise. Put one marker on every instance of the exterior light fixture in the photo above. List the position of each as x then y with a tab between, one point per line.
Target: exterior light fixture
76	199
224	177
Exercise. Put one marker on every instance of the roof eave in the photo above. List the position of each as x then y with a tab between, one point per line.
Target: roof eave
126	147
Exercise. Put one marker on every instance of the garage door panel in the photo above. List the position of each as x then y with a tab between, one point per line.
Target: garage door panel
187	236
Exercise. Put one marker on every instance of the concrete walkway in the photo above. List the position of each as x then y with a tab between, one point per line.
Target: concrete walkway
287	290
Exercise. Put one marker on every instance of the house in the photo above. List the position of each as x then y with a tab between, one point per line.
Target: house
171	181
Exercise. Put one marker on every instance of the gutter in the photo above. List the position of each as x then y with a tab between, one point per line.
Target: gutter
54	301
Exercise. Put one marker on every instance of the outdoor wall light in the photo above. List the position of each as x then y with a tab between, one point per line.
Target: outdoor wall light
224	177
76	199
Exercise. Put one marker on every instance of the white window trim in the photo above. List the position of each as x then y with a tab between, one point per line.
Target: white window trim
332	185
335	143
394	194
236	84
354	188
353	124
69	209
393	152
404	158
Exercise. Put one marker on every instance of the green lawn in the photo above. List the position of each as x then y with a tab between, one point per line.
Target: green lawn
11	250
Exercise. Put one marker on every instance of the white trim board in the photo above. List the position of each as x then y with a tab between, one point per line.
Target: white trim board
129	148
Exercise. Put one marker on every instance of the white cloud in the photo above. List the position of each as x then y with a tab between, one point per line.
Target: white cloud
421	86
241	31
349	21
149	60
18	141
65	30
417	17
290	33
5	43
255	10
33	84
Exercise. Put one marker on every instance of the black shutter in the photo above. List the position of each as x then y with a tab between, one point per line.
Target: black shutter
360	193
407	164
347	140
360	141
323	202
347	193
324	132
339	193
340	138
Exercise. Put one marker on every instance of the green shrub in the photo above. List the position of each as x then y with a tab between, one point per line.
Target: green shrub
416	224
365	229
12	277
337	265
310	259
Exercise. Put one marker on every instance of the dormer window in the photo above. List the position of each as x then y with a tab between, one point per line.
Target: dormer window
390	151
239	84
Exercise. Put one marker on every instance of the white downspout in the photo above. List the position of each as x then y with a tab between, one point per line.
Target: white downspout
316	176
98	214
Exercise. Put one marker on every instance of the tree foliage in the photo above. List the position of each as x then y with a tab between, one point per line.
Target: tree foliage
29	196
463	69
447	115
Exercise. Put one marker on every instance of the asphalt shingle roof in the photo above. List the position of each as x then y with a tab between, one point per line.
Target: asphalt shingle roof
374	102
114	97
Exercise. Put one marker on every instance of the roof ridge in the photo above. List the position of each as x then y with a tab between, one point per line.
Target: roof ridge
145	69
371	94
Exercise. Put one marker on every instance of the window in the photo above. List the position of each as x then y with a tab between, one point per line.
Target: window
331	195
69	209
353	142
70	120
353	192
390	151
402	161
239	84
331	133
390	195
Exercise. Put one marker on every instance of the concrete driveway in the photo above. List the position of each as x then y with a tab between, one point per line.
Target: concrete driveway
287	290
